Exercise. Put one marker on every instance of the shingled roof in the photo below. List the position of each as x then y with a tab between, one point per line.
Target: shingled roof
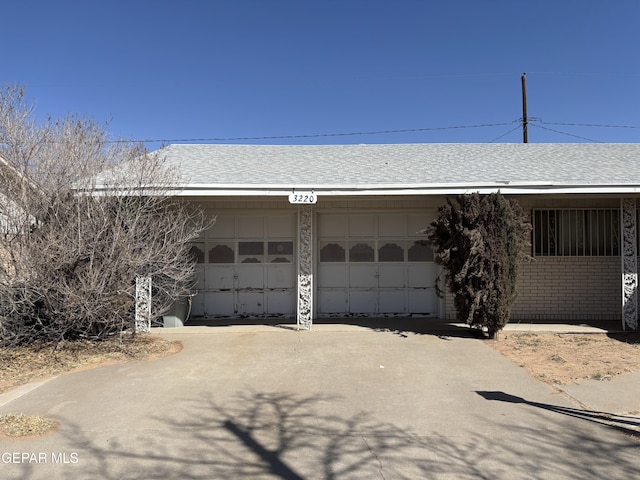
405	168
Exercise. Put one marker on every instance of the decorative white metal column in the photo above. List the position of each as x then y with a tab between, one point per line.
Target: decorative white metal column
629	256
143	304
304	314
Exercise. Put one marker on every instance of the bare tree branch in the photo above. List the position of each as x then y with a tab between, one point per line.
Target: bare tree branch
81	217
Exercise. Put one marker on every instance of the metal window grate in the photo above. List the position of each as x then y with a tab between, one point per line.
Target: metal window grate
576	232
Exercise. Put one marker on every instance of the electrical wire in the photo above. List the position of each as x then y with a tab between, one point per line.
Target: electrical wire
587	74
316	135
589	125
505	134
565	133
535	122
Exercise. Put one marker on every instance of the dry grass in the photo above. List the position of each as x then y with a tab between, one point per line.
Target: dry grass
20	365
26	425
571	358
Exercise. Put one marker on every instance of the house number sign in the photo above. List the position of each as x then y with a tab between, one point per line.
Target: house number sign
303	198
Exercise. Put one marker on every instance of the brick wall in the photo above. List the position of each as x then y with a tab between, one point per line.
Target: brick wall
566	288
570	288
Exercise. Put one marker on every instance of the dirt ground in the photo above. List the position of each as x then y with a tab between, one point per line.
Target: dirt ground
38	361
571	358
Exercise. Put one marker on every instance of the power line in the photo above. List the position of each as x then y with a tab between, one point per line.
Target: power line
532	121
505	134
315	135
565	133
588	74
589	125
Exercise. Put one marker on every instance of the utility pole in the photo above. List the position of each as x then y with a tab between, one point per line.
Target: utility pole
525	121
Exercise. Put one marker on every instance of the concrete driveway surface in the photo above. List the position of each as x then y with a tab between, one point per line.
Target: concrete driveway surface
335	403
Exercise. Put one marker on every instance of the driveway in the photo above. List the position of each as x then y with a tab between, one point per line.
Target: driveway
336	403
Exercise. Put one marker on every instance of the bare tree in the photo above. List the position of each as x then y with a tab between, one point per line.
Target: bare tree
82	217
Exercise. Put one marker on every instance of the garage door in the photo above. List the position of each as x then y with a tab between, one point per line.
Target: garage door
247	267
375	265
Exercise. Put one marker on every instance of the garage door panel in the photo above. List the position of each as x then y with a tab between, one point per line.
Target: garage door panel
281	226
224	227
362	226
418	222
332	275
251	226
393	301
218	303
280	302
333	225
362	301
421	275
391	225
197	304
391	275
250	276
423	301
199	278
280	276
362	276
219	277
251	303
332	301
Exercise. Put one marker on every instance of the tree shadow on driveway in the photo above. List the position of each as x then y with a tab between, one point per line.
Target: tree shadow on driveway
279	435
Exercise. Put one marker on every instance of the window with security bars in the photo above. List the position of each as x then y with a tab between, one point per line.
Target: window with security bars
576	232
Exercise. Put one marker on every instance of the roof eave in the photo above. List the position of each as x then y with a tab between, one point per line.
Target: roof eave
528	188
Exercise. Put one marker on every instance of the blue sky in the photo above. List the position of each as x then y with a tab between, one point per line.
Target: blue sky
227	69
